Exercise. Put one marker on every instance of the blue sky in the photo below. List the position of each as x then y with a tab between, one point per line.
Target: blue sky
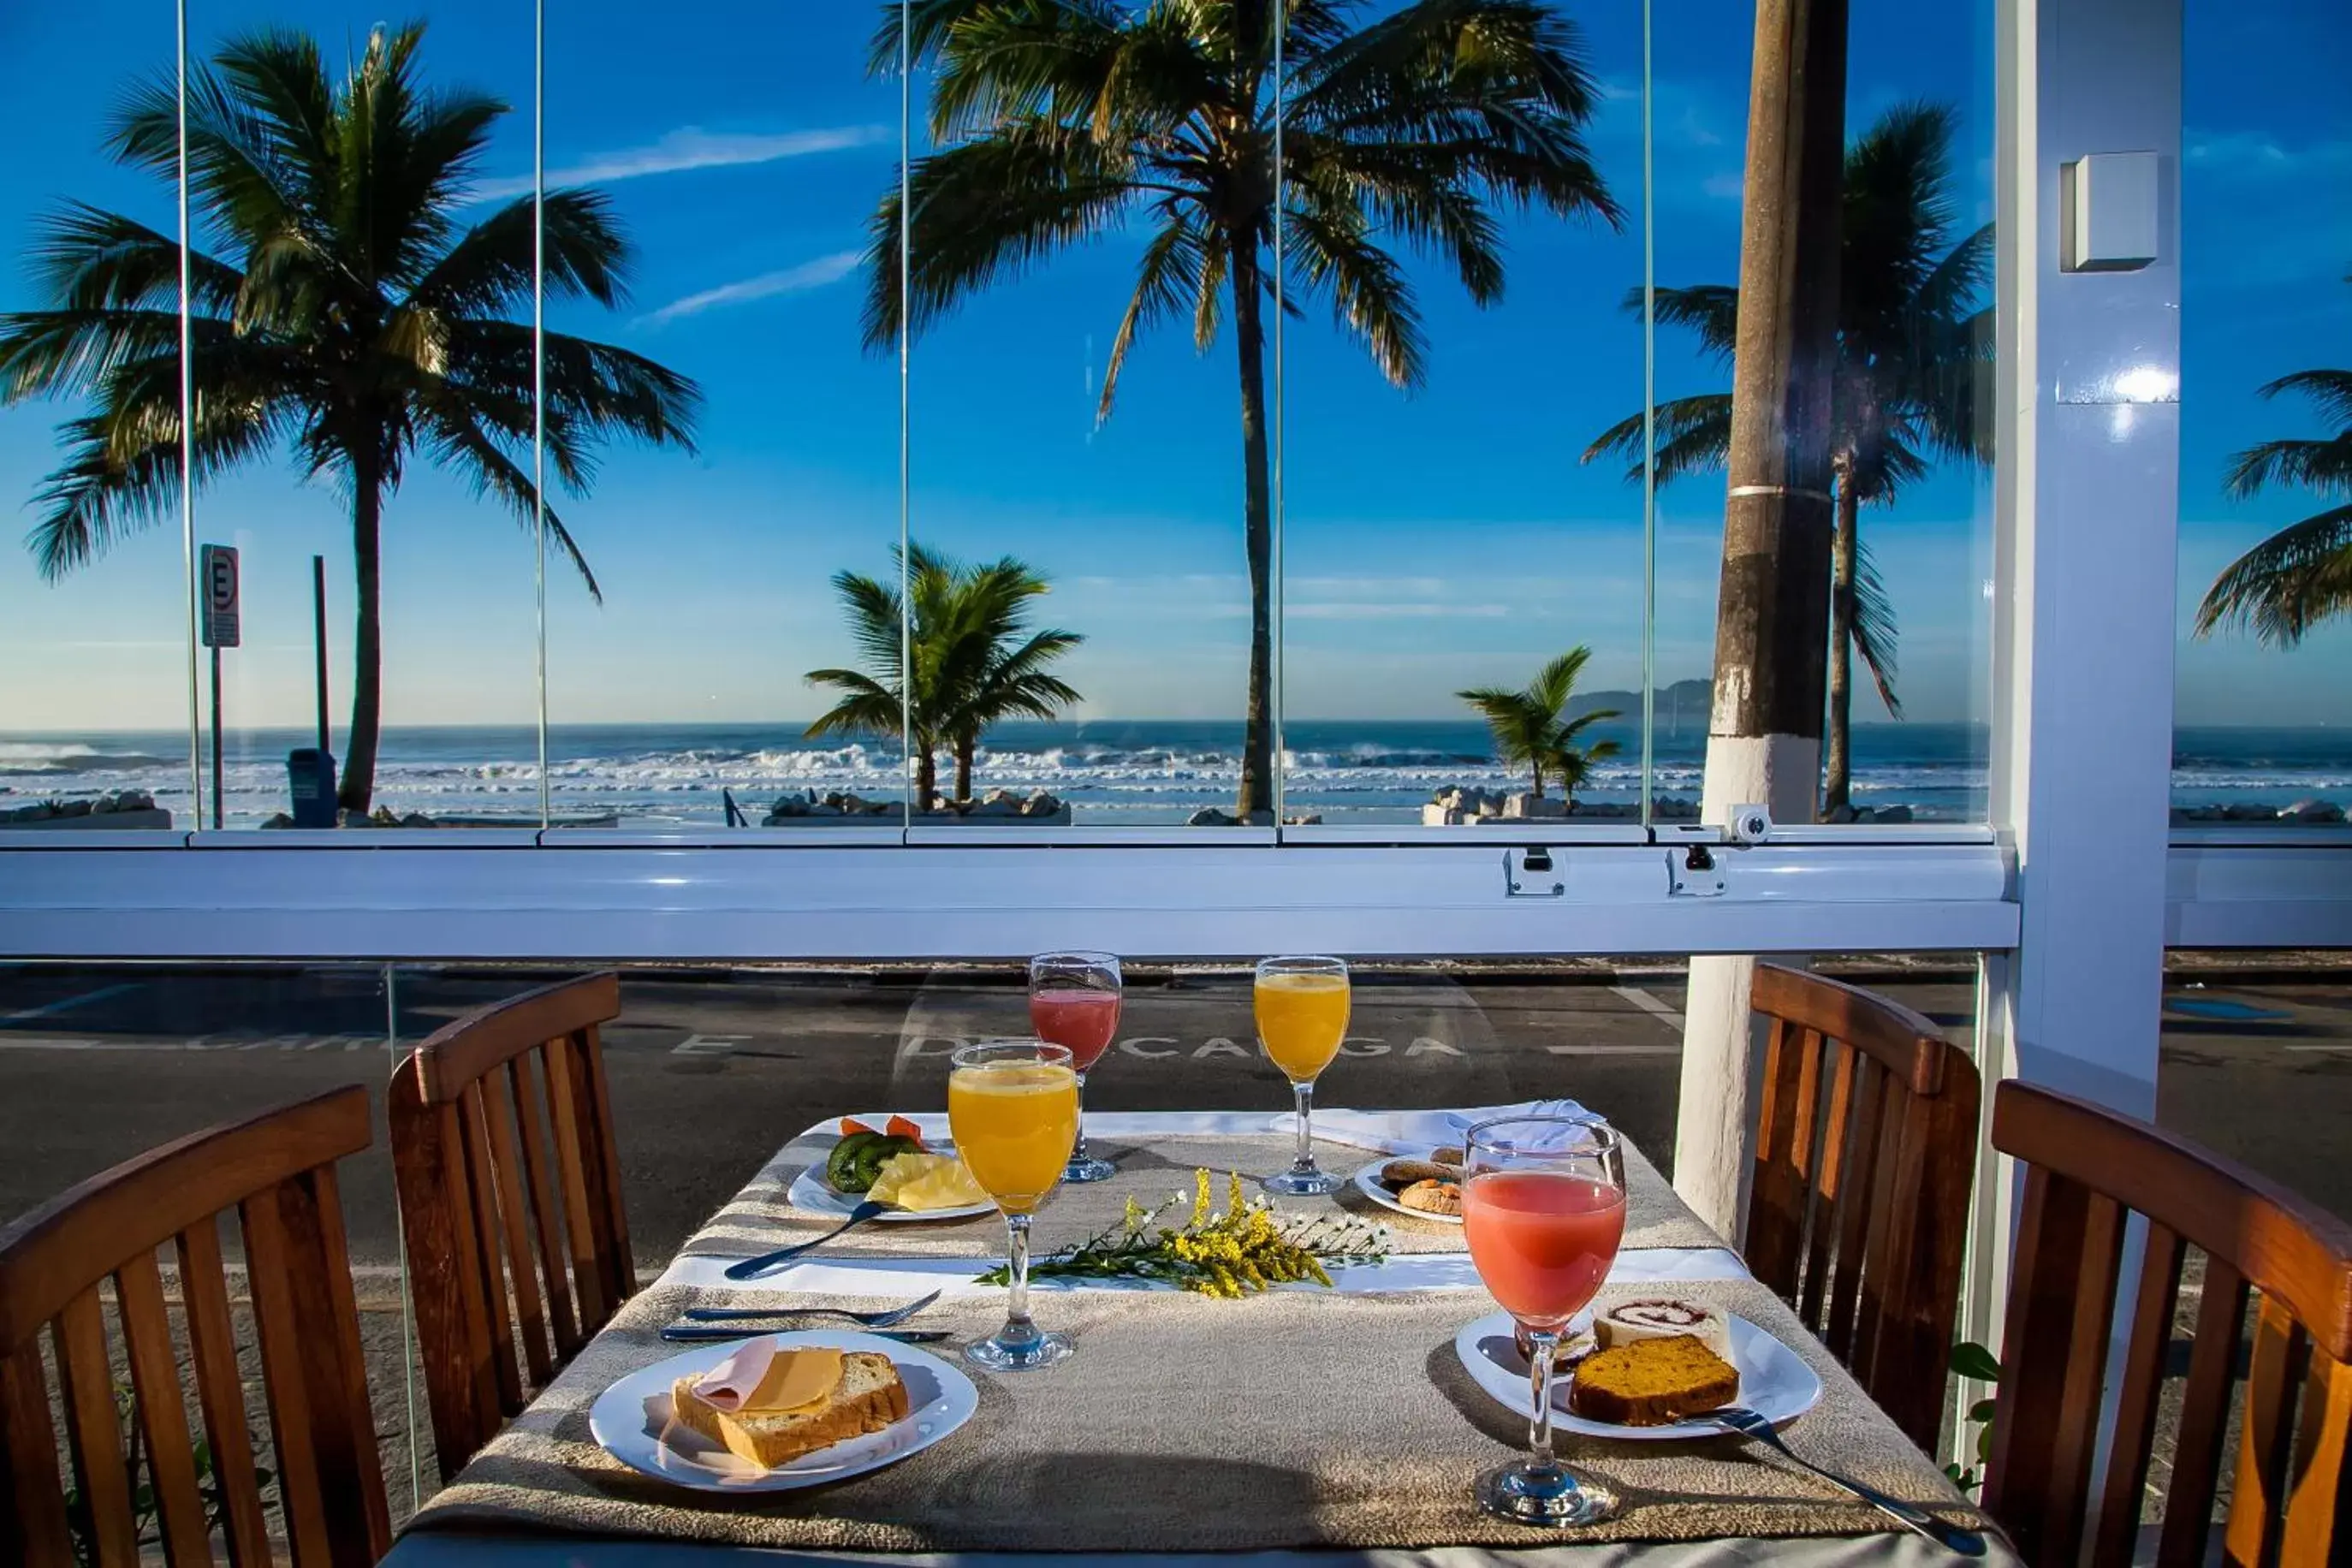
1433	541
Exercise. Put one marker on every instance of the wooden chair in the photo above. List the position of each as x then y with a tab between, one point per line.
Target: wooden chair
515	1230
278	1171
1858	1214
2087	1170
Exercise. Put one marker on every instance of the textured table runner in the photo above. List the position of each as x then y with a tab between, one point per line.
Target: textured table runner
1150	1167
1287	1420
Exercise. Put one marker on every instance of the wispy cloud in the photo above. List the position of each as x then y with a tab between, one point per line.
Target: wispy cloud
2251	155
1723	187
797	279
691	147
1358	610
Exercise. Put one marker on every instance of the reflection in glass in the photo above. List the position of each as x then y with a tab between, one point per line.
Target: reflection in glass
2261	702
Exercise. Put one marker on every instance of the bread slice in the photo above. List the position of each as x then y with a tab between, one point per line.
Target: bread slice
871	1397
1652	1382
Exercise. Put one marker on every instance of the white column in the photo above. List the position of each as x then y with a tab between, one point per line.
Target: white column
2087	428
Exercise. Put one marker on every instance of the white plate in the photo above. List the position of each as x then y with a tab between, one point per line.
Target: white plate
1367	1181
1774	1381
810	1191
631	1419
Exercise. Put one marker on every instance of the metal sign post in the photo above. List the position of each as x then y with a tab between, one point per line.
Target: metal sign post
221	630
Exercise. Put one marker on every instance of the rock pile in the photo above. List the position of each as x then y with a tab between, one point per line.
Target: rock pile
121	802
1464	804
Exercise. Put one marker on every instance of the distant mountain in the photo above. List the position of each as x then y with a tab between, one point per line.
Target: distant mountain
1682	707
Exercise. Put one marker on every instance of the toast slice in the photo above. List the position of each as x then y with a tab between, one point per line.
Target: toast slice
871	1397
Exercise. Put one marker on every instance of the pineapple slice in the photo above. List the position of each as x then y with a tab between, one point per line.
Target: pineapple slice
920	1183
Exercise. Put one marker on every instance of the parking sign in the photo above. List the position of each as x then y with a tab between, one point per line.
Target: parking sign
219	566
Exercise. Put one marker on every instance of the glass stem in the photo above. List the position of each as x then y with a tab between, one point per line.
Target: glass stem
1079	1154
1017	1325
1539	1368
1305	1093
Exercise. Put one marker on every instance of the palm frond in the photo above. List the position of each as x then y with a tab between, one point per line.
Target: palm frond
1334	256
1874	628
1168	284
2323	465
2286	584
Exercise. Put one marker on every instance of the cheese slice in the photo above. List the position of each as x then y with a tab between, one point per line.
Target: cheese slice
796	1380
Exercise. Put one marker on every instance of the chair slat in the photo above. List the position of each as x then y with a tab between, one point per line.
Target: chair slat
334	1360
269	1263
1835	1127
2322	1498
531	1315
546	1223
2116	1530
569	1097
1879	1338
2204	1414
481	1182
1873	1095
32	1504
1776	1208
162	1410
2275	1374
604	1173
212	1351
94	1429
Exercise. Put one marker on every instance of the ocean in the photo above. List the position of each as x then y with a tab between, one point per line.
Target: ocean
1110	773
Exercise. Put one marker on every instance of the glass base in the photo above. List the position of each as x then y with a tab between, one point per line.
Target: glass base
1086	1168
1025	1354
1521	1493
1307	1183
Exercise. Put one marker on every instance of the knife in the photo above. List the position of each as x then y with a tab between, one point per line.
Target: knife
703	1333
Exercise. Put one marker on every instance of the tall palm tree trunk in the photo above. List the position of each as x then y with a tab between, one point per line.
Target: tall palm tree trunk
1764	737
358	787
964	747
1845	552
1257	742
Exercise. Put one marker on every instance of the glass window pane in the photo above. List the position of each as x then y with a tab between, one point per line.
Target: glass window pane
1455	585
93	582
1912	423
383	405
2261	702
742	180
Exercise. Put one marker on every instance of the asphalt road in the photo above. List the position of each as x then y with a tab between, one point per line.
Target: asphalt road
709	1074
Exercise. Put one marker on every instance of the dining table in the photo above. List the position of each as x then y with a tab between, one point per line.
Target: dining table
1340	1423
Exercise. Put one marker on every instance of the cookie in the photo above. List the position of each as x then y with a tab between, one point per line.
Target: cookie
1432	1197
1399	1174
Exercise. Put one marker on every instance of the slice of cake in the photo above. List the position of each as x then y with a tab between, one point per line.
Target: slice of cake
803	1401
1651	1383
1662	1317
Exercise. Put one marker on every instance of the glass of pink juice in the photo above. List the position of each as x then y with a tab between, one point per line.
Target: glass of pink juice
1073	1003
1543	1211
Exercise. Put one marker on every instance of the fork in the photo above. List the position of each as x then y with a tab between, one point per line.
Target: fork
888	1319
1746	1423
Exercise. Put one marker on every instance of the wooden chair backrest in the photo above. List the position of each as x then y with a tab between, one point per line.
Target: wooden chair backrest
510	1197
2087	1170
1865	1148
276	1171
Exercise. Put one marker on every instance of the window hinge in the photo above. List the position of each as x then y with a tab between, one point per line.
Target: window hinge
1695	872
1532	863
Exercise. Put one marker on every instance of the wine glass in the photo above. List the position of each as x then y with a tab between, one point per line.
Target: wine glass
1073	1003
1013	1111
1302	1016
1543	1211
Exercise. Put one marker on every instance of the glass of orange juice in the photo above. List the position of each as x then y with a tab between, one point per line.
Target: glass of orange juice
1013	1111
1302	1016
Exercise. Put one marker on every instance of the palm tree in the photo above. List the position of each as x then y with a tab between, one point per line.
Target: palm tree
347	313
1914	355
2302	575
974	661
1060	120
1530	730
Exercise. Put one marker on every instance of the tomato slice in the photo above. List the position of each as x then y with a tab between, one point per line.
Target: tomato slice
850	1124
899	1127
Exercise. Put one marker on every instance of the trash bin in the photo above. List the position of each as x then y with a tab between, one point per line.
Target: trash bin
311	773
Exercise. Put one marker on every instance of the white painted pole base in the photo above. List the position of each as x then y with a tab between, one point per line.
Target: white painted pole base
1714	1144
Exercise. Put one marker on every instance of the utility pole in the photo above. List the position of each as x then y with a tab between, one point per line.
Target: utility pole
1772	615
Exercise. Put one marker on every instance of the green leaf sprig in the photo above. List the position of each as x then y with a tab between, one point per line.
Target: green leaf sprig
1244	1248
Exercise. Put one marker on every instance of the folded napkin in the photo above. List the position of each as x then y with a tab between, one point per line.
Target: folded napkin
1417	1131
